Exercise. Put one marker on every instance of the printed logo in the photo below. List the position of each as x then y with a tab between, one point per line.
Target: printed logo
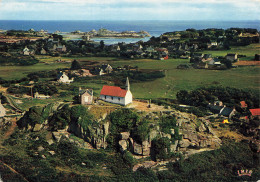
244	172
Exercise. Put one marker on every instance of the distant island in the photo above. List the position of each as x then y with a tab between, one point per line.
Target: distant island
104	33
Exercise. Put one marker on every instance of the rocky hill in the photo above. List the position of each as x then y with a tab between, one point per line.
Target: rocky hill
73	142
187	135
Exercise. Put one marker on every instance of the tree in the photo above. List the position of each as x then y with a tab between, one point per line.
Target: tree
228	63
102	44
75	65
123	120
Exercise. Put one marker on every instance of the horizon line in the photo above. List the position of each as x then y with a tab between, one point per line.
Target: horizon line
125	20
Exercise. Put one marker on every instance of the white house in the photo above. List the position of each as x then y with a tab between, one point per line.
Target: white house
26	51
2	110
63	78
117	95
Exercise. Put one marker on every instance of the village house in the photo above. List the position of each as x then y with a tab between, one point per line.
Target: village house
40	96
84	73
162	53
117	95
26	51
61	48
214	62
221	109
211	44
137	47
114	48
232	57
102	70
63	78
243	104
2	110
85	96
206	57
255	113
43	51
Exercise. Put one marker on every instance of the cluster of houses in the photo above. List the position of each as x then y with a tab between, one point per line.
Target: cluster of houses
56	48
97	70
112	94
221	110
206	61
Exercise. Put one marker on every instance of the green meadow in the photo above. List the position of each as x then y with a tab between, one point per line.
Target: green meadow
17	72
243	77
176	79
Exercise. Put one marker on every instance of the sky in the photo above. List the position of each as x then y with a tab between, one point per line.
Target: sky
130	10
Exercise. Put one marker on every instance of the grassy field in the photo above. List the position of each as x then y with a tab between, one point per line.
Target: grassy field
249	51
17	72
244	77
46	63
175	80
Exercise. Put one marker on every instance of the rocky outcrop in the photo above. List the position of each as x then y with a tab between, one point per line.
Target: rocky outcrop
124	135
94	135
197	136
196	133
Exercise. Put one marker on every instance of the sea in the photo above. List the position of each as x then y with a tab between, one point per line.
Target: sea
153	27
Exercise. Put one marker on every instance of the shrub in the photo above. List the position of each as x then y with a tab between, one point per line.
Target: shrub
123	120
75	65
167	123
140	131
60	119
161	148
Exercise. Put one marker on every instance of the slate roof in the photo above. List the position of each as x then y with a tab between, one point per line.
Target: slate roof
226	111
215	109
89	91
113	91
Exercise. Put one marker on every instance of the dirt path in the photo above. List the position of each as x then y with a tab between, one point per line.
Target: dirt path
10	129
142	106
9	100
247	63
13	170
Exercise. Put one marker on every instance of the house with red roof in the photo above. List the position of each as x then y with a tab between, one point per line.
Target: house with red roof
243	104
255	113
117	95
